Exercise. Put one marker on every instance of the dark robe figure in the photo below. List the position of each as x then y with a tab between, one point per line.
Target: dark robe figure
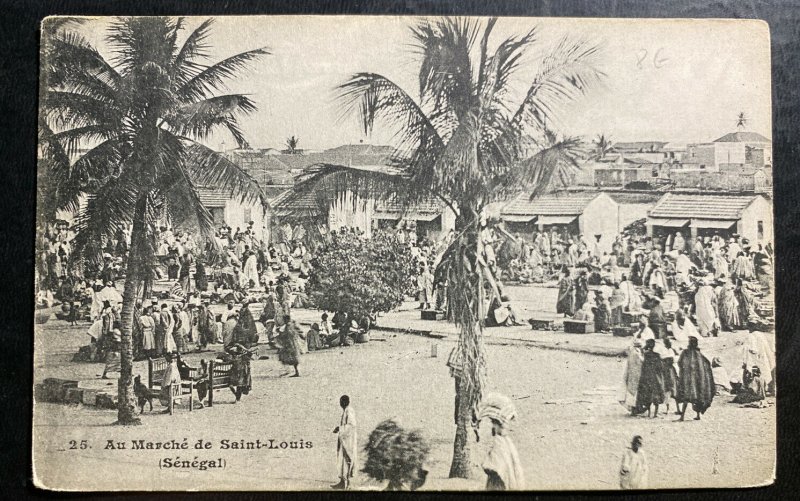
695	381
602	314
581	291
240	382
637	270
289	339
205	327
200	278
245	332
657	318
651	381
565	302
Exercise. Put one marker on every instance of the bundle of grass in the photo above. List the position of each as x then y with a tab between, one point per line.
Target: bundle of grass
396	455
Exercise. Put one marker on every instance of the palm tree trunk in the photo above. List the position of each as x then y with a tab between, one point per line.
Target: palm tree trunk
465	295
126	403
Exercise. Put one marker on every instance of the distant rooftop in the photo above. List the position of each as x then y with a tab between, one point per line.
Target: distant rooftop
640	146
725	207
743	137
556	204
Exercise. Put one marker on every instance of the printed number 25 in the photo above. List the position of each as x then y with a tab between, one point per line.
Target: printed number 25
74	444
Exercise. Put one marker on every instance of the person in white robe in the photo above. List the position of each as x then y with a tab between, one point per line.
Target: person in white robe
171	376
632	299
682	329
679	243
633	473
733	250
250	272
683	266
758	352
705	303
502	464
346	445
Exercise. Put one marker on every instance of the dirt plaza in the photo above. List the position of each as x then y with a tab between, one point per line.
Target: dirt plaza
571	433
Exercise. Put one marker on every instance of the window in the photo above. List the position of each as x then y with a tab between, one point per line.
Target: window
761	230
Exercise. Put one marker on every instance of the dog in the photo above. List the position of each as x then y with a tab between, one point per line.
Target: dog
144	395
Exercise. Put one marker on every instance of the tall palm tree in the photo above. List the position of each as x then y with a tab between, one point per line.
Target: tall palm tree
466	141
291	145
741	120
141	115
602	145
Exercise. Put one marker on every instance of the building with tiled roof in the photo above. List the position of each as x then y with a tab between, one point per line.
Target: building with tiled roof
703	215
590	213
742	137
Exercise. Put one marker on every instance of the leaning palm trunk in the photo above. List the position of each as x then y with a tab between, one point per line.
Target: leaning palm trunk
465	297
136	266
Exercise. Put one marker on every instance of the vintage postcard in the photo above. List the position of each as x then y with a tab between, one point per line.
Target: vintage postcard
403	253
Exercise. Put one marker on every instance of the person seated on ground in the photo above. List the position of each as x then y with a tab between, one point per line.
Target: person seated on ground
501	313
643	333
586	313
326	333
313	340
754	391
721	378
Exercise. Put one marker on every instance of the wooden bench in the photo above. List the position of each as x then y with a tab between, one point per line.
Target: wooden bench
155	378
219	376
578	326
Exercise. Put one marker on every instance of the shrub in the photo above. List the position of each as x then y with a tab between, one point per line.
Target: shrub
361	276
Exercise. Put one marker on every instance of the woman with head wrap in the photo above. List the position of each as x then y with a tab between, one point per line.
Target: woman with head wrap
502	464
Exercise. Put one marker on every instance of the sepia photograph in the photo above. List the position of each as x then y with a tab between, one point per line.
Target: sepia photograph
398	253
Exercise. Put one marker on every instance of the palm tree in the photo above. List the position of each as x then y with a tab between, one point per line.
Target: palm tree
291	145
467	142
141	114
741	120
602	145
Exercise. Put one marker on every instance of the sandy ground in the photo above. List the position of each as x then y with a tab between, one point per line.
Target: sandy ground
571	433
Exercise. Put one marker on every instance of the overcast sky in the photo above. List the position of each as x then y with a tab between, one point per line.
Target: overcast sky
669	80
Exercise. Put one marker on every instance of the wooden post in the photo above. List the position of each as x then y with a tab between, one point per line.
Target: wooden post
150	373
210	383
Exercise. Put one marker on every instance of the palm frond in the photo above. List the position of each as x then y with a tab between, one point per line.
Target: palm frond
565	73
501	67
213	78
185	208
194	47
69	56
136	41
107	211
72	109
373	97
207	168
551	168
199	119
445	75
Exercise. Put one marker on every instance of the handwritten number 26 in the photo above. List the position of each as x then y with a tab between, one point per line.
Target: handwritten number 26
658	59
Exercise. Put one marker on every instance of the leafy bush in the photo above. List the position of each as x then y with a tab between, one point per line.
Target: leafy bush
361	276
